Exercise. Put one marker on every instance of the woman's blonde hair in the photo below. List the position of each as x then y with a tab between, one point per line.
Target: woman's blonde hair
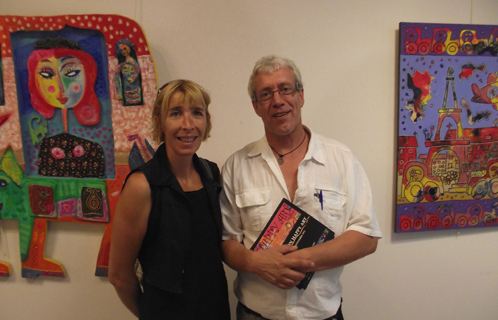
191	93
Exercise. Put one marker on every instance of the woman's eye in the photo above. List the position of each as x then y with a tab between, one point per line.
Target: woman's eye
72	73
46	73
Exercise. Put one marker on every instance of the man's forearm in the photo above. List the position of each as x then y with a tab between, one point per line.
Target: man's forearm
235	255
348	247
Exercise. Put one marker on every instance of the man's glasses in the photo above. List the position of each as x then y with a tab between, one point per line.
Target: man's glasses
284	89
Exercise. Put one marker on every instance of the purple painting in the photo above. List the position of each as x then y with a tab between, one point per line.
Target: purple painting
447	168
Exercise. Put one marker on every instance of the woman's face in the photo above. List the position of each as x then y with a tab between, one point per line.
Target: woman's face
60	81
184	127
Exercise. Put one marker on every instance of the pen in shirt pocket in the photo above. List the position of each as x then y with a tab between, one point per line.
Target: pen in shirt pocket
319	195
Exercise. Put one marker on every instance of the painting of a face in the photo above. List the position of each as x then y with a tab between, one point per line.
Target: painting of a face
64	78
125	50
60	81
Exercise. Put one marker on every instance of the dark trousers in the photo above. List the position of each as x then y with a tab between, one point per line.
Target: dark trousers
244	313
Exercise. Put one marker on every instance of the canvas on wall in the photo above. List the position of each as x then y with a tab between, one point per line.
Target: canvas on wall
447	166
75	102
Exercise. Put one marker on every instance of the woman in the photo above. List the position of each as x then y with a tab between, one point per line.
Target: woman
168	217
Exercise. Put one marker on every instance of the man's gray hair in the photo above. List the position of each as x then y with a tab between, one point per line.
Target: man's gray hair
269	64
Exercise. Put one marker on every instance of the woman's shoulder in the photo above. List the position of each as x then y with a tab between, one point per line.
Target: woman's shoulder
137	182
211	163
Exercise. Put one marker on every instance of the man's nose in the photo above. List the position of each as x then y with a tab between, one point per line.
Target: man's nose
277	97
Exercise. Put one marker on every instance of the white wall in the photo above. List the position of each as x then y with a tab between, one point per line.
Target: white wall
346	51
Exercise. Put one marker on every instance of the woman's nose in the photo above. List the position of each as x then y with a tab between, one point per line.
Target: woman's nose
187	122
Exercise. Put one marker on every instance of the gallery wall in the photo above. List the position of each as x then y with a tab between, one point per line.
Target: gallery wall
347	53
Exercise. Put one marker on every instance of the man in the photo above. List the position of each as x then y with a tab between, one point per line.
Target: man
317	174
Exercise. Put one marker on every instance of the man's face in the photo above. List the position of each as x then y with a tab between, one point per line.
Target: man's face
281	114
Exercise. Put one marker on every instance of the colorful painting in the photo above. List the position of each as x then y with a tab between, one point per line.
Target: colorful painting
2	99
128	80
69	138
447	169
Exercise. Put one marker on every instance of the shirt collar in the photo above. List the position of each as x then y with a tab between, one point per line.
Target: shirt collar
261	147
314	151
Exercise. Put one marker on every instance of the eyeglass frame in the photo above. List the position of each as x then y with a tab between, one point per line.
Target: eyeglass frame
297	86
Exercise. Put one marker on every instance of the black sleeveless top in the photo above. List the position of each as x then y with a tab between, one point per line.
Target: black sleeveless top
183	275
204	293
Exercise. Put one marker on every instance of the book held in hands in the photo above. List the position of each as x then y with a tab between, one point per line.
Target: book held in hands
291	225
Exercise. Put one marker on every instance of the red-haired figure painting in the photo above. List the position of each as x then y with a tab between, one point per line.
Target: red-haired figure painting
62	75
68	140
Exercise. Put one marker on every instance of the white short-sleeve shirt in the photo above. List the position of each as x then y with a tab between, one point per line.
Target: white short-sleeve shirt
253	186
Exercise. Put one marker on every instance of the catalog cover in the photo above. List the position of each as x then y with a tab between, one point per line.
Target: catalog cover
291	225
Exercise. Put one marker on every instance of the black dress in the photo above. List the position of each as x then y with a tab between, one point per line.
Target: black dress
204	284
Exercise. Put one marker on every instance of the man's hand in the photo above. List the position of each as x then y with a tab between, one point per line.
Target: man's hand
278	269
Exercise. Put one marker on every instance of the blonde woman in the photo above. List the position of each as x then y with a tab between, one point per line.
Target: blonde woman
168	216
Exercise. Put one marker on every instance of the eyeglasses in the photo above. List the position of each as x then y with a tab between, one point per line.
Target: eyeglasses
284	89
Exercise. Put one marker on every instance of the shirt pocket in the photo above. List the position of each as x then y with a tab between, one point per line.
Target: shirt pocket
334	204
254	206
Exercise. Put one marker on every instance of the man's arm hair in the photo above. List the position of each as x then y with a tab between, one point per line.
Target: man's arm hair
272	265
346	248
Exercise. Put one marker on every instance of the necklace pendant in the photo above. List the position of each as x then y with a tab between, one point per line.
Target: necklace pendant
280	161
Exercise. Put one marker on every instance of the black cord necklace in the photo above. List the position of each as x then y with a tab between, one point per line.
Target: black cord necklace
280	159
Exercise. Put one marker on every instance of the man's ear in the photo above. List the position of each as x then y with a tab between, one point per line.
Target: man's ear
301	94
255	107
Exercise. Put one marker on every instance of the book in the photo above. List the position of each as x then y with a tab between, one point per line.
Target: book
291	225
